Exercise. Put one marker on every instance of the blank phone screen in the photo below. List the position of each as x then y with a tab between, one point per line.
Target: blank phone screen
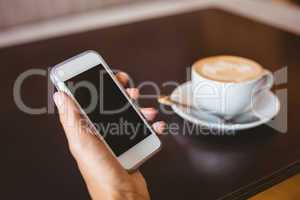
108	109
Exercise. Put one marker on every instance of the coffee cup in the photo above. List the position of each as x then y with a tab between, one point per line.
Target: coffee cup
228	85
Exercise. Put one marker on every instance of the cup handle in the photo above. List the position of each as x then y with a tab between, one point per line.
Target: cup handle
265	83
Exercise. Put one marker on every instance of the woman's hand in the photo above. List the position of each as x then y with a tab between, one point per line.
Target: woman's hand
104	176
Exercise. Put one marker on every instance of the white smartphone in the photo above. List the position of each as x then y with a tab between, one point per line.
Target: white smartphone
110	111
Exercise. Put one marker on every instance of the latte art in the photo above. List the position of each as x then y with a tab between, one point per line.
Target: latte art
227	85
228	68
228	71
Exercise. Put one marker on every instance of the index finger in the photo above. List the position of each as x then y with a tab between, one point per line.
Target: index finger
123	78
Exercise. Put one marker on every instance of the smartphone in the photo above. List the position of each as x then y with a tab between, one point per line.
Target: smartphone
88	80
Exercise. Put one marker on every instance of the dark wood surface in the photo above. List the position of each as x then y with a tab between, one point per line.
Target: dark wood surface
35	161
296	1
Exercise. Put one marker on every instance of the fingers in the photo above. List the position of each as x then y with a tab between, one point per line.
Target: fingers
71	120
68	114
123	78
159	127
84	145
94	160
149	113
133	93
96	163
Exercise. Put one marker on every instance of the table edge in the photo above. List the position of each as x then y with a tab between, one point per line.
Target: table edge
264	183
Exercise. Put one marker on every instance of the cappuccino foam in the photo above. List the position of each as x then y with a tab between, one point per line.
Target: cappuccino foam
228	68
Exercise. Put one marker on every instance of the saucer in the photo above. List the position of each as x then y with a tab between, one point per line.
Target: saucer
265	107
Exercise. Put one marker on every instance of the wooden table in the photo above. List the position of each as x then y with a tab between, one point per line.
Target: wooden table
286	190
36	163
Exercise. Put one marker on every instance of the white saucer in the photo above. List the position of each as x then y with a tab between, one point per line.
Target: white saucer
265	107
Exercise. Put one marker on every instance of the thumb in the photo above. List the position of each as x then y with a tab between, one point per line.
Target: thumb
93	157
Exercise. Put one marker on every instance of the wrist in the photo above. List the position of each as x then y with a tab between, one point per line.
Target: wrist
117	194
128	196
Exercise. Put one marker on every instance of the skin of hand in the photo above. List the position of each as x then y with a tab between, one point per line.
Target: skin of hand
104	176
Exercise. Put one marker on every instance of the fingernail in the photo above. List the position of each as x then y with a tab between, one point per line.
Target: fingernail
133	92
123	78
58	99
150	110
160	126
149	113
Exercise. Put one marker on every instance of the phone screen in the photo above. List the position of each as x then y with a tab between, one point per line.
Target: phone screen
108	109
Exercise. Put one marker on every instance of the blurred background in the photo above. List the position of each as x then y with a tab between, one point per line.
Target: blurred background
20	12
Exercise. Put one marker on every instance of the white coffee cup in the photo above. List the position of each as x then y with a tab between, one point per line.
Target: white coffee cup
227	98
